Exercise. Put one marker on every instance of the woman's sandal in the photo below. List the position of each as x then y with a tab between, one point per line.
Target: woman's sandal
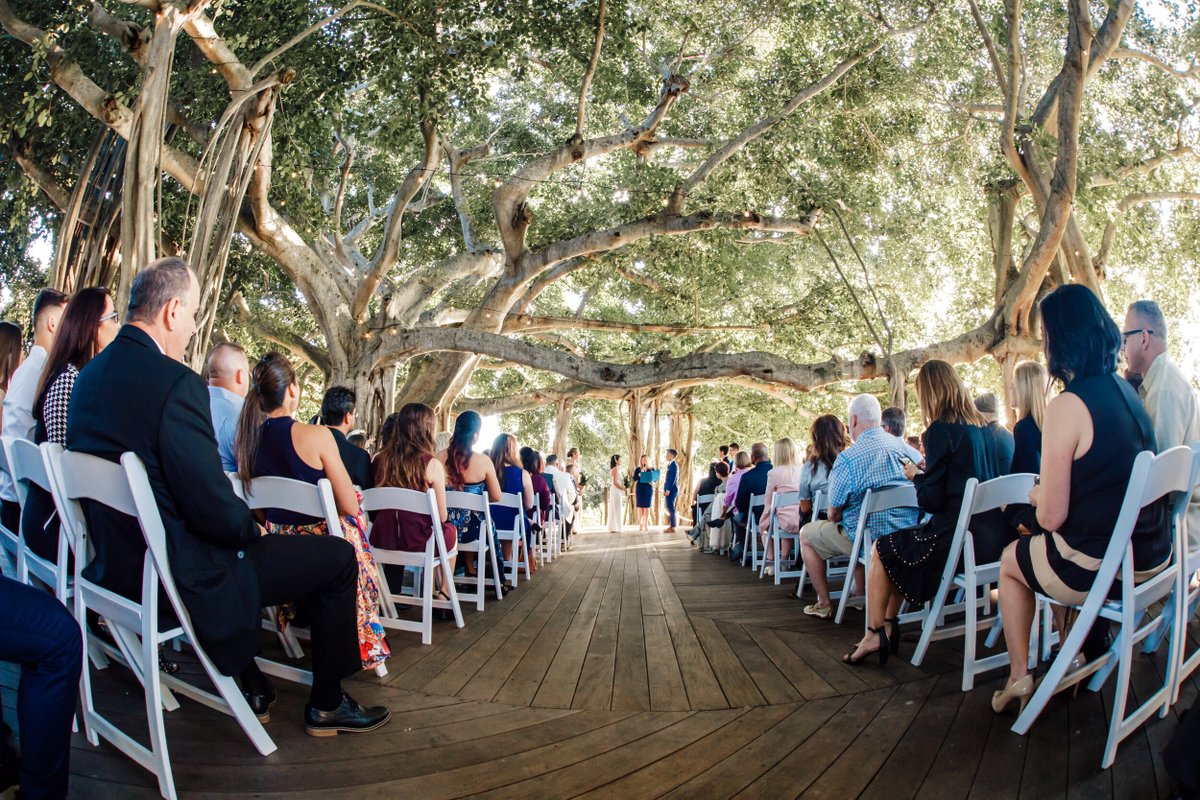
894	639
883	650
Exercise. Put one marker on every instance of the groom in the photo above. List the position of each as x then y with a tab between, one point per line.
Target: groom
671	488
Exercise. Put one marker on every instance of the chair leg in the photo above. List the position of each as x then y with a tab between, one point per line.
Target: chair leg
970	636
155	695
1120	698
427	605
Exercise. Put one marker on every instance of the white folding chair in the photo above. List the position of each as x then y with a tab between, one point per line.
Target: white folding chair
777	535
538	539
10	541
974	581
820	503
516	535
125	488
1152	478
432	558
875	501
750	551
28	465
481	547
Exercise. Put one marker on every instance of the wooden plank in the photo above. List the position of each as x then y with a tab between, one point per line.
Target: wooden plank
773	685
1088	721
844	679
905	769
808	683
1045	773
666	681
631	682
699	680
740	689
594	689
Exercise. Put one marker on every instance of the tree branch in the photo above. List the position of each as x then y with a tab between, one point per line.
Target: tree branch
990	45
591	70
55	192
294	344
523	323
1141	169
1128	202
304	34
404	306
1191	73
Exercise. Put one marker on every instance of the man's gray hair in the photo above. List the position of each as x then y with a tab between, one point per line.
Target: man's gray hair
155	286
1149	311
866	408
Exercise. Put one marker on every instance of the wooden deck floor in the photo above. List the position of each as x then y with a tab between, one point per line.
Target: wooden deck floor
635	667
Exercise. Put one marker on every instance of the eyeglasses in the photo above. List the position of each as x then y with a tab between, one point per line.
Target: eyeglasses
1126	334
113	316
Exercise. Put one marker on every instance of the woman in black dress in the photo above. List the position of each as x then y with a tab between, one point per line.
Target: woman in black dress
908	564
1092	433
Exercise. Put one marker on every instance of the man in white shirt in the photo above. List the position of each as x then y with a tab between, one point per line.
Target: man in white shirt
564	487
1168	397
228	383
22	390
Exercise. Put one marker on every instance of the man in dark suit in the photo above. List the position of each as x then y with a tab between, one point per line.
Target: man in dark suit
671	488
337	414
752	483
137	396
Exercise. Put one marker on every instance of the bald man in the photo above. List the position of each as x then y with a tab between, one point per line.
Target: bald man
228	382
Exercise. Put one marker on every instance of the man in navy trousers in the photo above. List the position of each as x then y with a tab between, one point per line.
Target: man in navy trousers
671	488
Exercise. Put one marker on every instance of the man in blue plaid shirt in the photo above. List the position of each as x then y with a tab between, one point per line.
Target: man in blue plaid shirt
872	462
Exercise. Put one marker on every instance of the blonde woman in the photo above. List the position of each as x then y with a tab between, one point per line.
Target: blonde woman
783	477
908	564
1031	383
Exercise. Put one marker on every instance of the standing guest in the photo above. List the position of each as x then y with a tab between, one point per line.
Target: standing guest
989	408
271	443
577	478
531	462
573	456
11	355
783	477
228	382
829	438
470	472
616	495
506	461
564	489
871	462
720	531
734	449
38	633
893	421
88	324
643	494
1166	394
671	488
1030	383
137	396
408	463
724	451
337	414
908	564
17	408
1093	432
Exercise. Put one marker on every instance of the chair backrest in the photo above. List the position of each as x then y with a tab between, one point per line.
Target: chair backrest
27	464
393	498
886	499
1003	491
511	500
705	498
1152	478
287	494
757	501
820	502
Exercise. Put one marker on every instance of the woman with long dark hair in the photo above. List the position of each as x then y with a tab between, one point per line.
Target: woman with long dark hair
87	326
11	355
534	466
470	472
270	442
407	462
1093	431
513	479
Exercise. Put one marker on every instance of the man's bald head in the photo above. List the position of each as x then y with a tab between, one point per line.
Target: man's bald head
229	368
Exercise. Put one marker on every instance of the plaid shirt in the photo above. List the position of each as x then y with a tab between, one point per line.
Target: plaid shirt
872	462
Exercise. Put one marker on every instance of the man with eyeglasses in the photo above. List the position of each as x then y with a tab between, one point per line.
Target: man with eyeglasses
1165	392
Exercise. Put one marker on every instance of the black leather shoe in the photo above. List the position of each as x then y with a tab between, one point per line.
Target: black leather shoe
349	717
261	702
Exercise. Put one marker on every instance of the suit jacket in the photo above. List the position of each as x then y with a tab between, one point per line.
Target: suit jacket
754	482
132	397
357	461
671	485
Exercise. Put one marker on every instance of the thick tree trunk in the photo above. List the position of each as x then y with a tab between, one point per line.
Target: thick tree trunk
562	424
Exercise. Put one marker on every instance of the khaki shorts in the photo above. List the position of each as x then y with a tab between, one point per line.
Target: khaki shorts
827	538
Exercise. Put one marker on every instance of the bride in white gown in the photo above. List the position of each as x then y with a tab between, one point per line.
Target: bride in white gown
616	496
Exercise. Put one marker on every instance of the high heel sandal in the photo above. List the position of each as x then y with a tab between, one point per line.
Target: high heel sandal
884	650
894	638
1020	691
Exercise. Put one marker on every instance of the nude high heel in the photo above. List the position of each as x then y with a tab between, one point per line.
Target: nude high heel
1020	691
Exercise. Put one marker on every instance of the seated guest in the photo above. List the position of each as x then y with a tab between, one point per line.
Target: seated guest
11	355
1093	432
1166	394
39	633
471	472
88	324
228	382
408	463
337	414
137	396
908	564
705	486
741	465
271	443
829	438
871	462
989	408
564	489
17	408
783	477
1030	384
893	422
915	443
531	462
358	438
720	531
752	484
506	462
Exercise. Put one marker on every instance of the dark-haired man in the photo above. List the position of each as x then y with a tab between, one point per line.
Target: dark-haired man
671	488
137	396
22	390
337	414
